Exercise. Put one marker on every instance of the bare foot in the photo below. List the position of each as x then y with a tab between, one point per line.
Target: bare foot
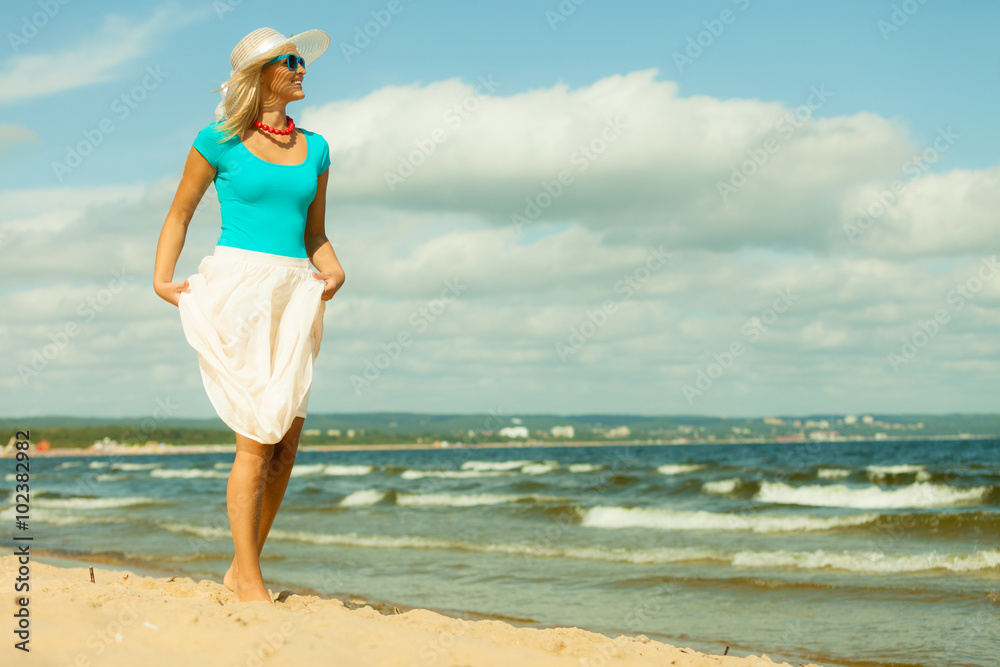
248	591
229	581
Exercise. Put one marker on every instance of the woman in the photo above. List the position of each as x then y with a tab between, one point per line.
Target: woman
254	311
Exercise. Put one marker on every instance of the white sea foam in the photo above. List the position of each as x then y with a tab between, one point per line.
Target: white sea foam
363	497
665	519
58	517
869	561
187	473
419	474
205	532
90	503
722	486
679	468
494	465
583	467
98	464
333	469
860	562
306	470
456	499
135	466
619	555
68	464
833	473
539	468
920	494
110	478
879	473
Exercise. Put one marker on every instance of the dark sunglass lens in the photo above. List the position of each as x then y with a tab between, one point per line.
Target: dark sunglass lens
291	62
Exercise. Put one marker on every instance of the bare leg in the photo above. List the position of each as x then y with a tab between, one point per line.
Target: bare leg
279	469
244	495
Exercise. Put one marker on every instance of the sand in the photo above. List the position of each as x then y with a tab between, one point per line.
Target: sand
124	618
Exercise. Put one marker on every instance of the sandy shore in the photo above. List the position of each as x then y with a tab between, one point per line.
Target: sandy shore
128	619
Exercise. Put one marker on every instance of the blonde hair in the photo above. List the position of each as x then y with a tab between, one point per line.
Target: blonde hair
243	95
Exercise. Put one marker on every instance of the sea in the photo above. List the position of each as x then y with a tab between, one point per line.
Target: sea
845	554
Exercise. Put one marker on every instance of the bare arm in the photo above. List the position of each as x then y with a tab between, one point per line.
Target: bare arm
198	174
318	247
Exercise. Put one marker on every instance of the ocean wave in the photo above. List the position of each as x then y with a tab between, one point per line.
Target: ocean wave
494	465
363	497
526	549
98	464
883	473
859	562
584	467
91	503
665	519
679	468
134	466
460	474
540	468
920	494
68	464
60	518
870	561
722	486
187	473
466	500
111	478
832	473
306	470
336	470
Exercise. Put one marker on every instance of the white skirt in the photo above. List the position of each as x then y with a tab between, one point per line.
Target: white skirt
256	320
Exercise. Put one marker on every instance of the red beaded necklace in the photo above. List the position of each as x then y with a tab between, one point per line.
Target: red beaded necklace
268	128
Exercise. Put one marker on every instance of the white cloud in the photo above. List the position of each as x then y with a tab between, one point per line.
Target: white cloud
96	58
495	345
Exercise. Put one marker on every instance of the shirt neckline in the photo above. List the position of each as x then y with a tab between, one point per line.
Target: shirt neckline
251	154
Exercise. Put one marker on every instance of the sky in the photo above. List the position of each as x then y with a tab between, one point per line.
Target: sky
736	207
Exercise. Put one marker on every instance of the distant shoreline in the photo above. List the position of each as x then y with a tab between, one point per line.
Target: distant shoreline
138	450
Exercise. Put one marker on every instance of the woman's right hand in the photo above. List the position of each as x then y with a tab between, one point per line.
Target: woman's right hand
170	292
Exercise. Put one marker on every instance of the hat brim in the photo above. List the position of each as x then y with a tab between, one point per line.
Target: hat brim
310	44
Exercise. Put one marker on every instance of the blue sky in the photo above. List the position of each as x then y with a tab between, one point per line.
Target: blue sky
894	85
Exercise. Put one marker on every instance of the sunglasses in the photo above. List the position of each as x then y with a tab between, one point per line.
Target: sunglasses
291	60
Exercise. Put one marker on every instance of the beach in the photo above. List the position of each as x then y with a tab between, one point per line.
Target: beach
840	555
127	619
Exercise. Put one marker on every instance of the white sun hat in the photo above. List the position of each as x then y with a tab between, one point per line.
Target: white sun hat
310	44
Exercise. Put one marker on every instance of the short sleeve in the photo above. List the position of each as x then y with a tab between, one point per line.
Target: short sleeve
324	160
207	143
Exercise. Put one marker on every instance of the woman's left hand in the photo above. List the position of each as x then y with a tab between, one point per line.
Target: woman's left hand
333	283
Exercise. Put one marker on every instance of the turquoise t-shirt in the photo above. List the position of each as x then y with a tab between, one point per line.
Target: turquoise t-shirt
263	204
